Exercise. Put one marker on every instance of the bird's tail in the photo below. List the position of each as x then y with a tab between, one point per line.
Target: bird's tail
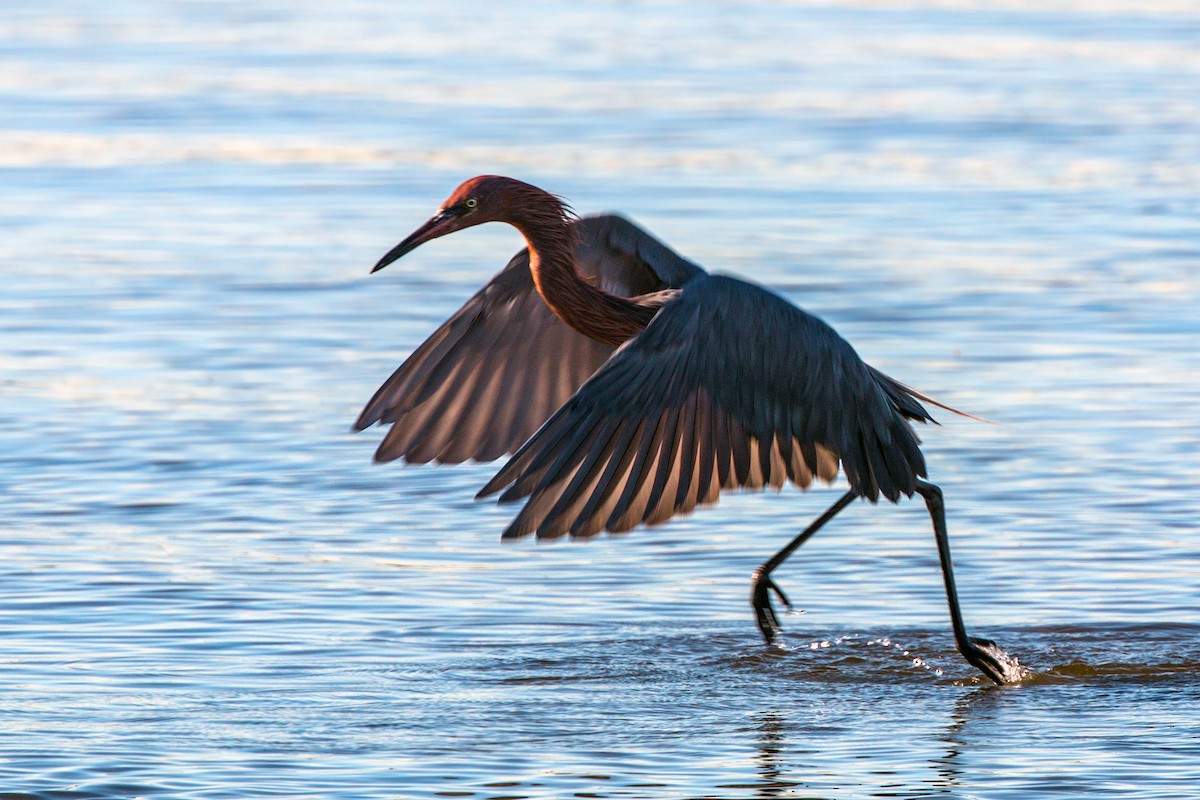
906	399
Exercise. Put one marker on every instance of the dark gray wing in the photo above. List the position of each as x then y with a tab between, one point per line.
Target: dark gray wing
496	370
729	386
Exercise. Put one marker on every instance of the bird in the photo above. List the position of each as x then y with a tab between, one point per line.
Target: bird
628	385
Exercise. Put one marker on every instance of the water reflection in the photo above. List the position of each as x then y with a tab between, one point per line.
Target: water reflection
966	711
770	756
792	755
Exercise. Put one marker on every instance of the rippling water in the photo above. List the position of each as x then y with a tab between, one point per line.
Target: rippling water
207	590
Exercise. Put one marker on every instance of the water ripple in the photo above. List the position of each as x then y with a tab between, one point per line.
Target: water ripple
208	591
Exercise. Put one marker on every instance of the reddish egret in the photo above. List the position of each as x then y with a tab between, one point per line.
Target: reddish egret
630	385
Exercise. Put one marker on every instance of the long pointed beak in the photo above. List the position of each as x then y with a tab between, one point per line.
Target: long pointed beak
438	225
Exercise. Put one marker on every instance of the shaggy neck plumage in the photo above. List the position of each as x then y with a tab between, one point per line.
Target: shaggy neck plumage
542	220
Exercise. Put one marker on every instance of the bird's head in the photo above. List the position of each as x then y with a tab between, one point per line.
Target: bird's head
485	198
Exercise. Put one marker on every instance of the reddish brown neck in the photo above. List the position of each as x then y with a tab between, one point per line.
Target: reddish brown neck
588	309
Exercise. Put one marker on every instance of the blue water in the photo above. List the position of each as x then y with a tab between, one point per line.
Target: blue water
207	590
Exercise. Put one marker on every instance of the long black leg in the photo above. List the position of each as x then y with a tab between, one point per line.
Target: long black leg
984	654
760	594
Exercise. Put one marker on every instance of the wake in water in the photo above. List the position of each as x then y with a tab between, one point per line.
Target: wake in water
1058	655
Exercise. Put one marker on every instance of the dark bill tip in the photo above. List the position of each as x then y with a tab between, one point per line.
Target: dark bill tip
432	229
393	255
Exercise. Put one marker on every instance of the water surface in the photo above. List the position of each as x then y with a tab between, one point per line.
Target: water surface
207	590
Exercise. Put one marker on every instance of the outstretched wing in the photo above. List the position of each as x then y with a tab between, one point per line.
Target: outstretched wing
496	370
729	386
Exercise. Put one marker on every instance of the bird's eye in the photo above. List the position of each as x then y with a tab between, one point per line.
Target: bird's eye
471	202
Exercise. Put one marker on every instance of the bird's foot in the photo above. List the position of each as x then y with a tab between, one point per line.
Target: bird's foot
764	613
988	657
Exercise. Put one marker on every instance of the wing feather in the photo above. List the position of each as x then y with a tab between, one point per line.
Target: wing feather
621	518
593	516
685	491
729	387
487	378
663	493
708	484
575	494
